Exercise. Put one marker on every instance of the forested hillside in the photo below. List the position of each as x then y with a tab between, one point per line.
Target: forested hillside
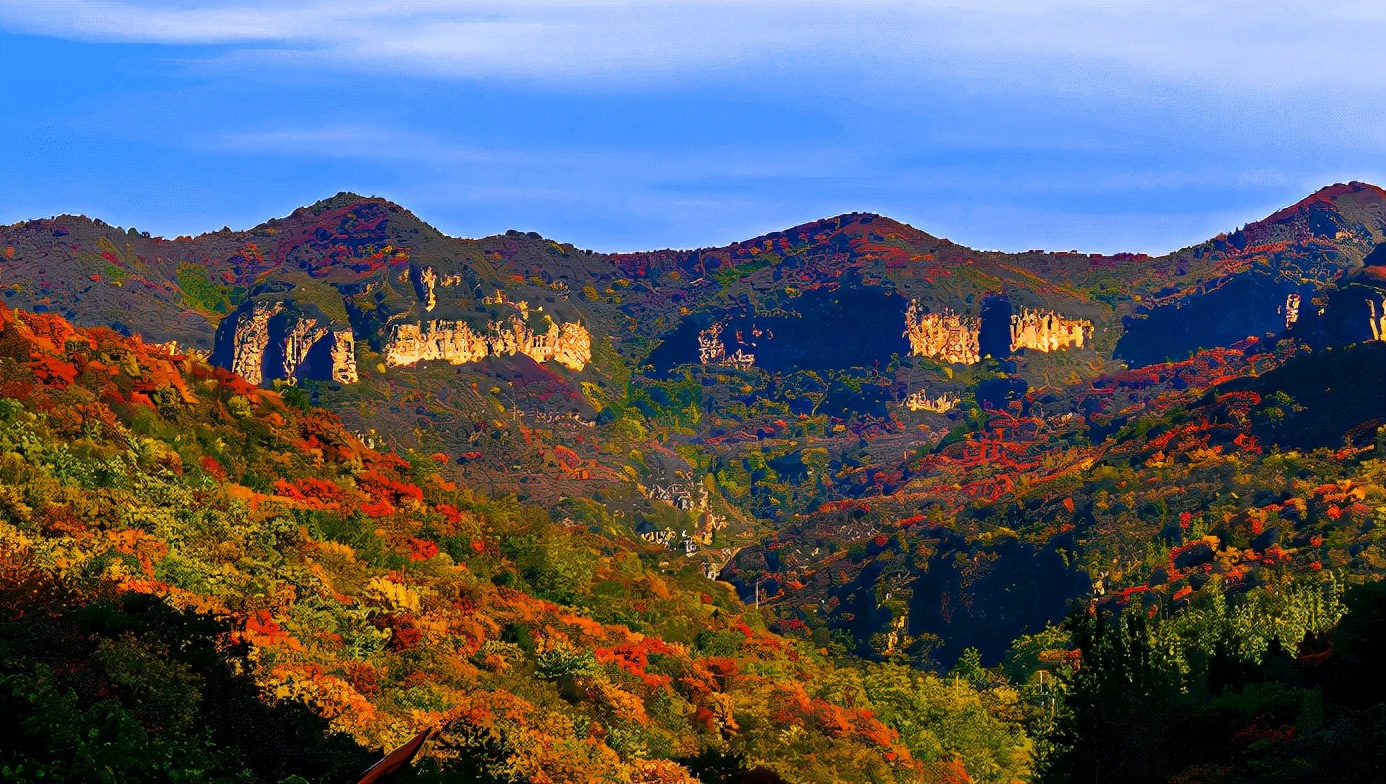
844	502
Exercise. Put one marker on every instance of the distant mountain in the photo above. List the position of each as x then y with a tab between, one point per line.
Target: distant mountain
1299	252
361	263
765	407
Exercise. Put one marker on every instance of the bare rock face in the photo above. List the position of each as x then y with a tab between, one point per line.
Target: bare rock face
452	341
946	335
429	278
298	341
570	344
250	338
1376	318
956	338
1045	330
344	357
269	340
941	404
712	351
1291	309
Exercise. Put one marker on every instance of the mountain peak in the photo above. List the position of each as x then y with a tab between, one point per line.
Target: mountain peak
1330	196
346	199
1332	212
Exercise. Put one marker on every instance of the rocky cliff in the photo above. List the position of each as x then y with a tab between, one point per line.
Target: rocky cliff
1045	330
570	345
1376	317
920	400
269	340
249	336
945	335
956	338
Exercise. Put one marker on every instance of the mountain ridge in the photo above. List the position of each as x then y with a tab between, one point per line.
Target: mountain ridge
1322	196
890	446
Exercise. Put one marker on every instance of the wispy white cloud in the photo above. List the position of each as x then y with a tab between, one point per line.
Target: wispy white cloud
1068	43
1020	123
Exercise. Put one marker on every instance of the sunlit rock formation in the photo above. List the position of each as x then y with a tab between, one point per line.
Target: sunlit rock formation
1291	309
945	335
942	404
344	357
956	338
570	345
429	279
1045	330
250	338
270	340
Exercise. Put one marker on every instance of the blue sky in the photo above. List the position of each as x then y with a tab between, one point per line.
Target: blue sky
1054	124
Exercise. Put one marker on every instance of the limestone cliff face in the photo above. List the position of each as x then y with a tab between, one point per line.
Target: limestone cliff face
570	345
955	338
269	340
1376	318
947	335
298	340
250	337
1045	330
941	404
429	279
344	357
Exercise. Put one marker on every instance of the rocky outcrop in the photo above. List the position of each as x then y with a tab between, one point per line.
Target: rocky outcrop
343	352
250	337
712	351
945	335
172	348
570	345
1291	310
271	340
1045	330
956	338
942	404
298	340
429	279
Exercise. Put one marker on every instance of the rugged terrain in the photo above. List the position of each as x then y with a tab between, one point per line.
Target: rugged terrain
894	447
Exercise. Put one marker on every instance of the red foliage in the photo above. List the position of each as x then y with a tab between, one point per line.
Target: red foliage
421	549
449	513
386	493
53	371
363	678
313	493
1261	731
633	657
404	633
1127	593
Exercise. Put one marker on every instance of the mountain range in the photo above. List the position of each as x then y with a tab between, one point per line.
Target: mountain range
895	448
